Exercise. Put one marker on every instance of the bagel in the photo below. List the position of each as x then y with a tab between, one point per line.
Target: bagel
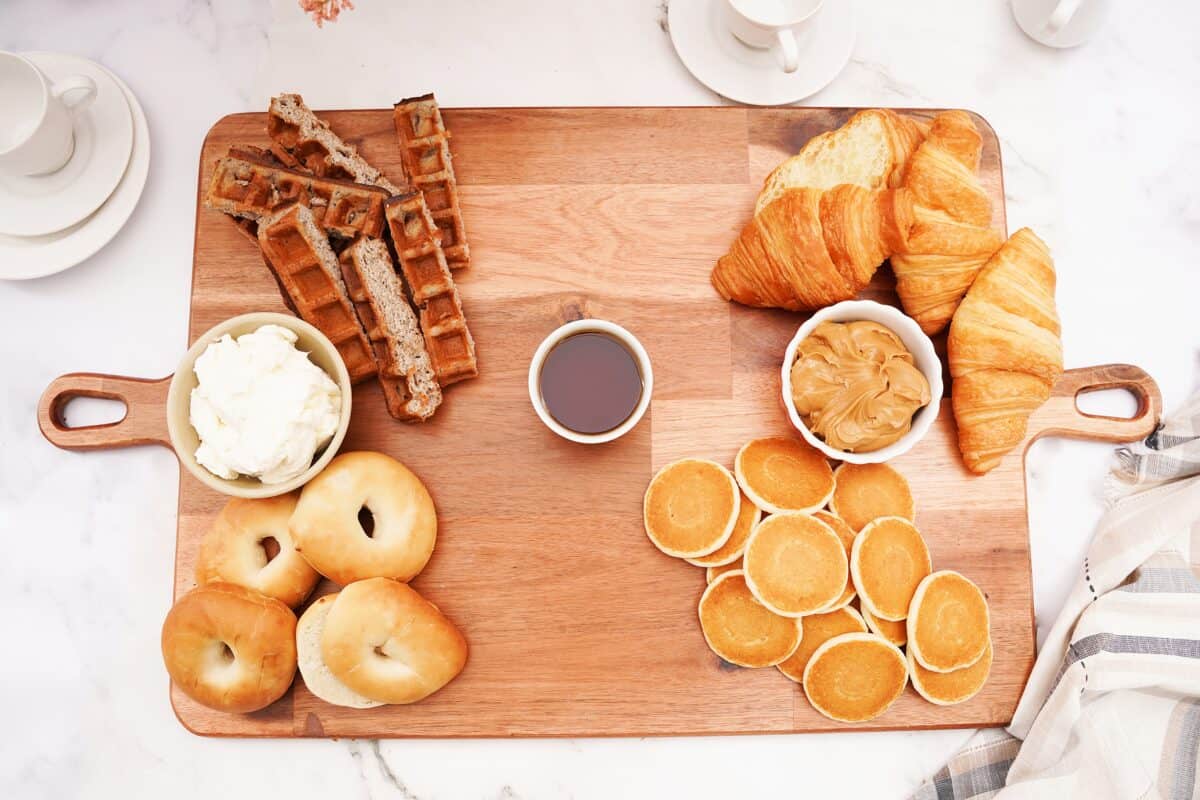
783	473
949	688
387	643
317	677
865	492
795	564
230	648
888	561
740	629
691	507
948	622
748	516
894	631
847	535
855	677
818	629
711	573
394	539
237	549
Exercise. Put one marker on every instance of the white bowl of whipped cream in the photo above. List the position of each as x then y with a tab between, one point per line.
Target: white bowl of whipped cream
259	405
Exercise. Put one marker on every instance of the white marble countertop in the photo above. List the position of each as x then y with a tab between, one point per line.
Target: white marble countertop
1099	148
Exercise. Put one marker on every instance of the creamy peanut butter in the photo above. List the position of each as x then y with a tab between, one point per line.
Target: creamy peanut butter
856	385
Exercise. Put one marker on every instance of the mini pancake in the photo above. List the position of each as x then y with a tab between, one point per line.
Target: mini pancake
818	629
782	473
847	535
948	688
855	677
948	623
742	630
895	632
889	560
795	564
691	507
728	553
865	492
711	573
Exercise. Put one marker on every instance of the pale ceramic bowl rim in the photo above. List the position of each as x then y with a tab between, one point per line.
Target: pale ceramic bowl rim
590	326
179	393
917	342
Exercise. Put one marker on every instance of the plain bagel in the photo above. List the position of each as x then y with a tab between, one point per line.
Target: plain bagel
317	677
386	642
328	524
235	550
230	648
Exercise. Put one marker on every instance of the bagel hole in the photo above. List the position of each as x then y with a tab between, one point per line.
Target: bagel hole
226	653
270	547
367	520
379	652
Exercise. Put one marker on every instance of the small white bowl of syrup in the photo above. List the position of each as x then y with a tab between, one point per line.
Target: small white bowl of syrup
590	381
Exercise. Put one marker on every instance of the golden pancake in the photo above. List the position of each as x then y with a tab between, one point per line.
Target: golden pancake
855	677
818	629
865	492
895	632
782	473
946	688
795	564
748	516
948	622
691	507
847	535
742	630
889	560
711	573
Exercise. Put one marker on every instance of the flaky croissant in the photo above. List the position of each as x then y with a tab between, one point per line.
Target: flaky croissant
950	240
1005	350
809	248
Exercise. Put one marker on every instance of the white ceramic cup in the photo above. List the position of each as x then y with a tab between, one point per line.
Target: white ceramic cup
1060	23
772	24
590	326
914	339
37	132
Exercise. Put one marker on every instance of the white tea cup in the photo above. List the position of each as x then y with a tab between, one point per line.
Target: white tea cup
1060	23
772	24
37	132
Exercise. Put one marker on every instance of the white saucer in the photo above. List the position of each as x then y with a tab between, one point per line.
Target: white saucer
734	70
24	257
36	206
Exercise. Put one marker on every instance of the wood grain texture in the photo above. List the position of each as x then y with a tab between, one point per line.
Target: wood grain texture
578	625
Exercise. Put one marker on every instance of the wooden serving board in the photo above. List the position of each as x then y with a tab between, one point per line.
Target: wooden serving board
578	626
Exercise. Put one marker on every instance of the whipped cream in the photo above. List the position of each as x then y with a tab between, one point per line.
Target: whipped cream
260	407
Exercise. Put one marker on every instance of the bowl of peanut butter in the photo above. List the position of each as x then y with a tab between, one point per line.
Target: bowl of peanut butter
861	382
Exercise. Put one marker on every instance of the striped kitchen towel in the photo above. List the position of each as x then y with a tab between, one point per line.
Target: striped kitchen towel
1112	707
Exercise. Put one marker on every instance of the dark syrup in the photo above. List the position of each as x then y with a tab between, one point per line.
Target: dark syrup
590	383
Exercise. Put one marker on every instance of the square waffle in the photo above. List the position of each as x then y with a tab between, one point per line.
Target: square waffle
425	153
248	187
410	387
298	253
449	342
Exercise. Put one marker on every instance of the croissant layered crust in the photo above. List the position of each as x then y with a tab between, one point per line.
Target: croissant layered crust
1005	350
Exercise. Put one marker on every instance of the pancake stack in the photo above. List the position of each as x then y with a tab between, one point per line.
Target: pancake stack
823	574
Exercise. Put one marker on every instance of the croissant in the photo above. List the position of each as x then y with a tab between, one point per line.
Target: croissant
1005	350
950	240
808	248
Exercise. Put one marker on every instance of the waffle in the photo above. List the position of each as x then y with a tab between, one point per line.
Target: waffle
300	139
425	153
298	253
450	346
410	387
250	187
249	227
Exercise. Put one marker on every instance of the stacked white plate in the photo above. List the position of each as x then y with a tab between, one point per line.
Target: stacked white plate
51	222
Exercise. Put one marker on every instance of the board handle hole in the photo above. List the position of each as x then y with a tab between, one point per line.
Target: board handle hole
1114	403
77	411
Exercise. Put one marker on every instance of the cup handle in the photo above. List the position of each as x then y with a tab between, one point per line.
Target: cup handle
1062	14
74	83
791	50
